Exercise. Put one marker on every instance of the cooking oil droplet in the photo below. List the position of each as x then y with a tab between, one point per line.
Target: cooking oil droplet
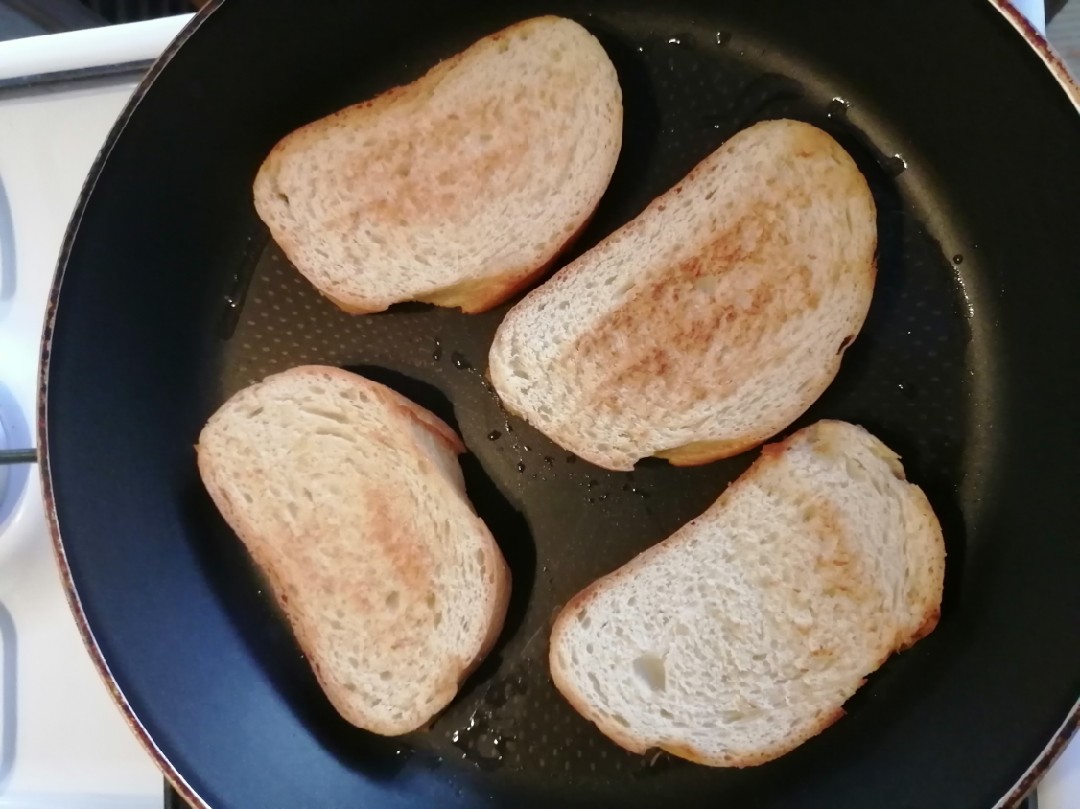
674	41
723	38
958	259
230	316
549	460
520	467
460	361
526	447
837	108
714	121
494	435
895	165
436	355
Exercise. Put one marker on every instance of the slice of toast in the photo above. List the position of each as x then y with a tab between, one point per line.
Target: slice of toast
458	189
712	320
743	634
350	500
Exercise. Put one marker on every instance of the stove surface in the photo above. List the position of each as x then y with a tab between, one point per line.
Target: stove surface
63	744
62	741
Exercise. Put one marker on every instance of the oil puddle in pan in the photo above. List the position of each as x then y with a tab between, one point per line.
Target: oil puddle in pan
487	739
838	110
894	165
244	264
481	744
542	467
463	363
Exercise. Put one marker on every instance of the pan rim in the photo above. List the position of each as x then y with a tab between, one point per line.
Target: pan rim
1027	781
163	763
1060	740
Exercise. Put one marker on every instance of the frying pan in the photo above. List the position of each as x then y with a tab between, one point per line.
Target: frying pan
170	296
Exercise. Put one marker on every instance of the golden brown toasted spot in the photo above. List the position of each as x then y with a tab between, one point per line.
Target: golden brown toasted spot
772	453
387	177
827	442
714	311
703	452
928	626
837	561
389	517
401	188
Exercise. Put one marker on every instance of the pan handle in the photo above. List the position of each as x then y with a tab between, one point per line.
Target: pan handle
9	457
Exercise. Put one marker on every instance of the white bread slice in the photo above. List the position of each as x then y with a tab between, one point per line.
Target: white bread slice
350	499
458	189
743	634
711	321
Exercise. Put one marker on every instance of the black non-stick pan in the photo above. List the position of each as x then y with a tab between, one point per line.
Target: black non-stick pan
170	297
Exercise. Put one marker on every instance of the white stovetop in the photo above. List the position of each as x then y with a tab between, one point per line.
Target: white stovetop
63	744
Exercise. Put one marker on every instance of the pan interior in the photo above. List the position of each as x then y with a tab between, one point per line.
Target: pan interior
560	521
188	300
